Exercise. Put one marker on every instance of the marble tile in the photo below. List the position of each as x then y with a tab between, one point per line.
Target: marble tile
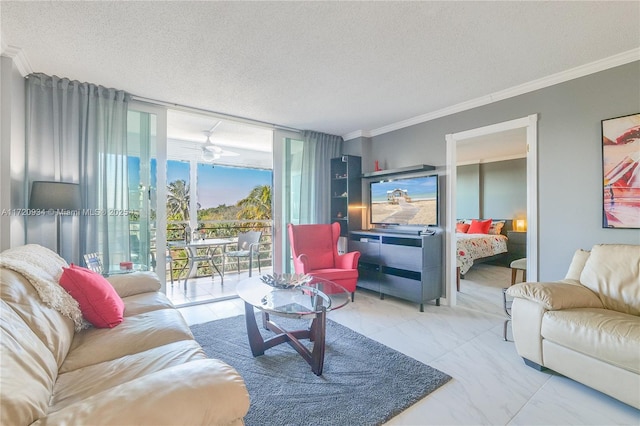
490	385
562	401
198	314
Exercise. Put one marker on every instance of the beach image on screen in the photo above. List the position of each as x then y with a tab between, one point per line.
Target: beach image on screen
411	201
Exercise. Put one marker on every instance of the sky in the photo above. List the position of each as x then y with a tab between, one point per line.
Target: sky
216	184
421	187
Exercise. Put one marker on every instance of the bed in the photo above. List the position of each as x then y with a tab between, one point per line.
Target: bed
476	248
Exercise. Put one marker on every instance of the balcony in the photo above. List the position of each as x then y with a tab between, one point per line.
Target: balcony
203	286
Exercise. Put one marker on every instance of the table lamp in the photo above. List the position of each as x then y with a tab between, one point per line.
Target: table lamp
56	197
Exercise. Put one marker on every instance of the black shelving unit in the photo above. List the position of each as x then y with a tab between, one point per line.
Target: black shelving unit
346	193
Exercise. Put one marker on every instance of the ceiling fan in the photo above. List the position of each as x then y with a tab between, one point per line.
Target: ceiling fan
210	151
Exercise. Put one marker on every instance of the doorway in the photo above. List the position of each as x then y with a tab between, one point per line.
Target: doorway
529	124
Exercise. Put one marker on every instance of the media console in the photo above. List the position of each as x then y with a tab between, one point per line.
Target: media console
401	264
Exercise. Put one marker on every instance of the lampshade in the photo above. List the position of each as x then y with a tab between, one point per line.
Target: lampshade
520	224
55	195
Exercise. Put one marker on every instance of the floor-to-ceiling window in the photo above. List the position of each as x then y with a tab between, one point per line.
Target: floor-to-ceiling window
141	171
219	184
292	191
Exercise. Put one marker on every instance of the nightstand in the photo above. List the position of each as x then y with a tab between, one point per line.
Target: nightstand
516	245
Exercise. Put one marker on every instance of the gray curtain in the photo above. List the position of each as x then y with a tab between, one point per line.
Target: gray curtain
317	152
76	132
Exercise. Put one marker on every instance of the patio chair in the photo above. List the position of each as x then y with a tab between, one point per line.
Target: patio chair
248	247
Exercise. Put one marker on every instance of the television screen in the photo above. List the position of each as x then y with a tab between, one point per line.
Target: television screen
405	201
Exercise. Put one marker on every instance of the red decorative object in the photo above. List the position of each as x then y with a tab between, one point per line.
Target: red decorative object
377	165
126	265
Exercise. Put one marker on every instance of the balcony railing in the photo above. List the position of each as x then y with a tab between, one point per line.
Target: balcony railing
219	229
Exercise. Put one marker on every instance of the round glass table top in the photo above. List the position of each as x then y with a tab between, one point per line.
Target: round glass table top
298	302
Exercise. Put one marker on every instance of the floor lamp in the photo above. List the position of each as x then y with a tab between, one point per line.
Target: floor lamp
56	197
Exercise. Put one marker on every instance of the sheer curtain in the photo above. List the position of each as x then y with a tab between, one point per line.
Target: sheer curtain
315	191
77	132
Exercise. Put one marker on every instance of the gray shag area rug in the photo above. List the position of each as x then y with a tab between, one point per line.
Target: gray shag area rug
363	381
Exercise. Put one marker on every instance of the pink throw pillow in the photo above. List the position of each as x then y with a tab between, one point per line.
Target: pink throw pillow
463	227
479	226
98	300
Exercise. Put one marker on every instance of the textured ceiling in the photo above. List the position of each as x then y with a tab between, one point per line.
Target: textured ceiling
335	67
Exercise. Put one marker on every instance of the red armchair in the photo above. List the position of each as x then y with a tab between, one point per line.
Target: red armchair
315	252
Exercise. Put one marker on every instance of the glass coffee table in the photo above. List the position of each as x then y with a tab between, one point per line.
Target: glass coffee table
310	301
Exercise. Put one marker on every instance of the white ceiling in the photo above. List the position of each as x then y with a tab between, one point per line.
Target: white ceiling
335	67
243	144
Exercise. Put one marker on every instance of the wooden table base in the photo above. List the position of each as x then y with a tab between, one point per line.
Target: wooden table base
315	333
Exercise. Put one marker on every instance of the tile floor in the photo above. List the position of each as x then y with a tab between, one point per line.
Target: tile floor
206	289
491	385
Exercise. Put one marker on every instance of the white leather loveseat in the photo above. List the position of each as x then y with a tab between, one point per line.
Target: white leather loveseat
147	370
587	326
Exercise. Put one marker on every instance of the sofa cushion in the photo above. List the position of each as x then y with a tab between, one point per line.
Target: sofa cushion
28	370
607	335
42	268
55	330
88	381
99	302
613	271
137	333
135	283
201	392
577	264
145	302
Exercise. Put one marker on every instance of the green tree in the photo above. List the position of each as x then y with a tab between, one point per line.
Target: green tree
256	205
178	200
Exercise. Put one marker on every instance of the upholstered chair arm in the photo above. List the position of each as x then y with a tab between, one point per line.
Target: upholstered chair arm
301	264
134	283
533	300
161	398
348	260
553	296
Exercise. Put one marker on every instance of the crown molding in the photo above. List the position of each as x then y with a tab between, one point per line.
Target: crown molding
561	77
19	58
357	134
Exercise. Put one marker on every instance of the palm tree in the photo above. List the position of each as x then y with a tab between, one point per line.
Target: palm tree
256	205
178	200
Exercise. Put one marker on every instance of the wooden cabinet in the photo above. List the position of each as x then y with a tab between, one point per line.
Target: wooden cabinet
408	266
516	245
346	193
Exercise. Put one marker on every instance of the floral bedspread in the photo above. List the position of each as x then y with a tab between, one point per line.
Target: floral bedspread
475	246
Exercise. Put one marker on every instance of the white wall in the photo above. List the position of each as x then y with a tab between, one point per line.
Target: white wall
12	147
569	155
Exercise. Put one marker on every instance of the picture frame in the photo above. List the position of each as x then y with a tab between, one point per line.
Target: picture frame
621	172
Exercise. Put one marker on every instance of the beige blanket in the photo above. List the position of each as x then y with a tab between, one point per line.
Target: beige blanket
43	268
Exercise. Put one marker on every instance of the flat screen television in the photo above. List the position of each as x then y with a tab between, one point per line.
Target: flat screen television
404	201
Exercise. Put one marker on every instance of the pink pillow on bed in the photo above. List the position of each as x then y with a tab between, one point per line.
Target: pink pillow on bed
98	300
462	227
479	226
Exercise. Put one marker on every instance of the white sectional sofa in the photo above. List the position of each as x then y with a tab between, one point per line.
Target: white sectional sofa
587	326
147	370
